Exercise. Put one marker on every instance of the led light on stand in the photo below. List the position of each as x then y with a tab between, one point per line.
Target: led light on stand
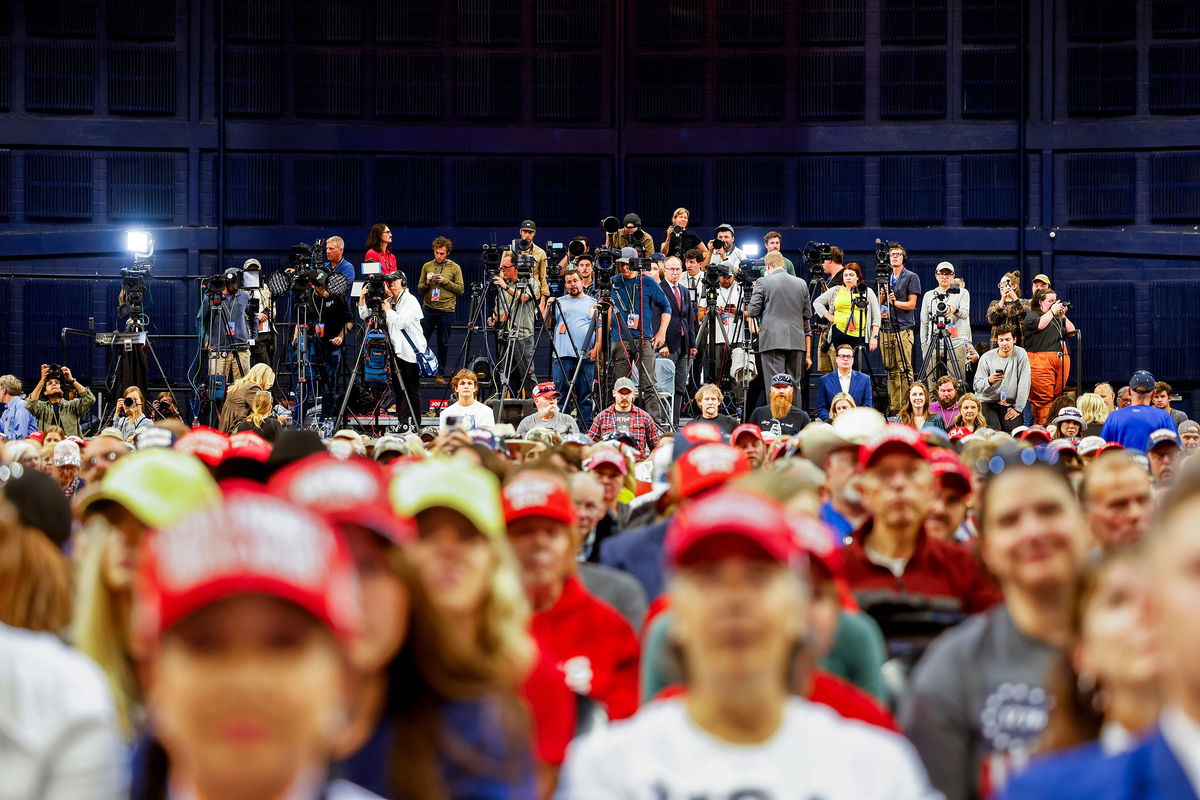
137	241
750	249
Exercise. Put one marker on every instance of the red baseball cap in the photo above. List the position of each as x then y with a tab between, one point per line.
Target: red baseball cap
958	432
252	544
348	491
606	455
534	495
248	444
893	437
1035	430
707	465
749	428
700	430
949	468
546	389
207	444
729	522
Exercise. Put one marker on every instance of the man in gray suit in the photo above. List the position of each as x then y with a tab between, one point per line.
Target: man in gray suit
780	304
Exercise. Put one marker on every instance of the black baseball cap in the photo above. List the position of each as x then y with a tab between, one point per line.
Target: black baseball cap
529	225
783	379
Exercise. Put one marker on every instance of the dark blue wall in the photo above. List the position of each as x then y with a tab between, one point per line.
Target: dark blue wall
835	120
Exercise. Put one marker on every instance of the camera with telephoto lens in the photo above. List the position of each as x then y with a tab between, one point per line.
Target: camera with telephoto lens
576	248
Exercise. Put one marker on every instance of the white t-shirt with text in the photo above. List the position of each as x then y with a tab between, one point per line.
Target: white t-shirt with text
660	754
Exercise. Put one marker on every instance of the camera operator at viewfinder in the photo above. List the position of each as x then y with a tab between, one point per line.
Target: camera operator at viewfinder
228	336
515	308
640	317
403	314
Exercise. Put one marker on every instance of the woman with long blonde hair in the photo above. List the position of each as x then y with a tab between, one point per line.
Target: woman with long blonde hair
261	420
970	413
35	579
841	402
1095	412
462	554
241	393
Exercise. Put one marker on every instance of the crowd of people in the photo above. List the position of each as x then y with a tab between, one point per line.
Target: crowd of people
628	602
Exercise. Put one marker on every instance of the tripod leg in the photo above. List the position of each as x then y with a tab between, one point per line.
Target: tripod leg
340	419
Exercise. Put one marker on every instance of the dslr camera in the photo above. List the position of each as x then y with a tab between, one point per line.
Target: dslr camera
56	374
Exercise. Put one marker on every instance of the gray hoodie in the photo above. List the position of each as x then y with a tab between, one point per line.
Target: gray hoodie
1016	377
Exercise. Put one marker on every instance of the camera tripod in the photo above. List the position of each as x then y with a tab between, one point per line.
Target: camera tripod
219	314
941	358
130	367
891	329
377	321
718	351
506	311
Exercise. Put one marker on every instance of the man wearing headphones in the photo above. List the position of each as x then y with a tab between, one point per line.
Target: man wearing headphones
899	319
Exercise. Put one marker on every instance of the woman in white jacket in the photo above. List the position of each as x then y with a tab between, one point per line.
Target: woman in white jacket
403	313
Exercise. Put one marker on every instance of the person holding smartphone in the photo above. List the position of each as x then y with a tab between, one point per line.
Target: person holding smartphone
1002	381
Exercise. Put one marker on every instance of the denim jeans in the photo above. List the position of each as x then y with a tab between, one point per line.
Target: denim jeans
581	398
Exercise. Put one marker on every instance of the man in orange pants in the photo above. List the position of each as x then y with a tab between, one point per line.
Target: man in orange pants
1045	330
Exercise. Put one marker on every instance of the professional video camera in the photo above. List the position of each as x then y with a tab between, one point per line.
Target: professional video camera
815	255
523	258
750	270
490	257
133	291
604	266
306	255
858	296
883	264
375	287
941	306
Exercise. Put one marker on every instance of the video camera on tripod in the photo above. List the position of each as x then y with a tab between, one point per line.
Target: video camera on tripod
883	262
214	287
306	269
374	289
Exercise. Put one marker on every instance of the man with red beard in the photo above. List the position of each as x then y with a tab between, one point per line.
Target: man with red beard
589	640
780	416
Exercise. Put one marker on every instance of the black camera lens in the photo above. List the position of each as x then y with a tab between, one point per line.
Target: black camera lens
128	402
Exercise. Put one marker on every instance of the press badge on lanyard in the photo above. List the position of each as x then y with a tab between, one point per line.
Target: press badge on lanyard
230	328
631	321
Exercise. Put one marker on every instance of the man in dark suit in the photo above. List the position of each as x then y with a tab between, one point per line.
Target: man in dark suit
781	304
680	344
844	378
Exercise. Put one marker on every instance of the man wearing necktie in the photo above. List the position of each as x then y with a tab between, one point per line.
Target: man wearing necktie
680	344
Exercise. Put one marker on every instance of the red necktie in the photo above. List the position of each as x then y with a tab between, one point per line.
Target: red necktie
678	299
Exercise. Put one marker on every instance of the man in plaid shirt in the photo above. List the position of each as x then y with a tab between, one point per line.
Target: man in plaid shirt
624	417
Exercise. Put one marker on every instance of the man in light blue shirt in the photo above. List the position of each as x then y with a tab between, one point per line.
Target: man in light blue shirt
15	422
573	334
